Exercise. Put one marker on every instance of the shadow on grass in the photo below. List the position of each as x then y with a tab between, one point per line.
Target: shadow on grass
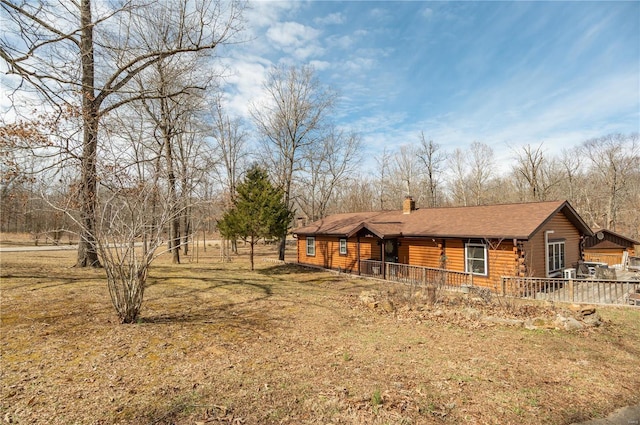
210	283
284	269
40	282
197	310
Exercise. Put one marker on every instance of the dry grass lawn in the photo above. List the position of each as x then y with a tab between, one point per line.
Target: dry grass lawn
217	344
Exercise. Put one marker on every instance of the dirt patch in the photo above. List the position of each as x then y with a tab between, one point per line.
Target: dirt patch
217	344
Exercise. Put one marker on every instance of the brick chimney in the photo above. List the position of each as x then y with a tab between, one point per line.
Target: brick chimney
408	205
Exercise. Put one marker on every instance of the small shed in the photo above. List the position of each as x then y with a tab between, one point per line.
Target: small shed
607	246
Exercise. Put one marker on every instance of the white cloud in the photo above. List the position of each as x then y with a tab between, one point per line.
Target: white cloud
359	64
342	42
264	13
305	52
427	13
320	65
330	19
291	34
245	85
378	12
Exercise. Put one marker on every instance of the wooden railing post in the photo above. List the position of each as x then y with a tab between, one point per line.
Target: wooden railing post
571	296
504	284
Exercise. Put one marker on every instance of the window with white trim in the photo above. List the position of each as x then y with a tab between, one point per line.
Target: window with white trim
343	246
555	260
475	258
311	246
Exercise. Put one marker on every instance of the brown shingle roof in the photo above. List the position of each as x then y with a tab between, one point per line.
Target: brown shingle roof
508	221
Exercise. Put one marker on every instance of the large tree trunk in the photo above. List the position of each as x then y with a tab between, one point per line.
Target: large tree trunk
282	246
252	244
287	201
174	226
87	252
186	225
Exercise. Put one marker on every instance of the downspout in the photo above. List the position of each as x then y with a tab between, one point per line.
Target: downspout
358	255
546	251
382	262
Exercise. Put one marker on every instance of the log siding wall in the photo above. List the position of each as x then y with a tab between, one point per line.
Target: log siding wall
328	252
535	249
420	252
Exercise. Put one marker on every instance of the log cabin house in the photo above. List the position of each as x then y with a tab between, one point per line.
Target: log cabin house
539	239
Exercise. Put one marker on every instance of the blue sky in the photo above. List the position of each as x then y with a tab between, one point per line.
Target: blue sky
502	73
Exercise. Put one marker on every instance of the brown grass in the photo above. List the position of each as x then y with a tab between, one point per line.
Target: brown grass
218	344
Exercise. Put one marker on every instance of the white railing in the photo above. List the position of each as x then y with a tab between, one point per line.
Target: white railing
594	291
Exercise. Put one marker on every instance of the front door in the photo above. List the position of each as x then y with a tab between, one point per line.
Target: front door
391	251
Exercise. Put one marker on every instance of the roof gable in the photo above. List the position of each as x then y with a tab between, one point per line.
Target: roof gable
506	221
608	239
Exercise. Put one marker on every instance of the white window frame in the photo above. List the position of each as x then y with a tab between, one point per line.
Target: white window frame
485	258
342	246
311	246
556	257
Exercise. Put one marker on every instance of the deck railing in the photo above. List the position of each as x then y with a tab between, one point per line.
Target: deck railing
416	275
371	268
572	290
560	290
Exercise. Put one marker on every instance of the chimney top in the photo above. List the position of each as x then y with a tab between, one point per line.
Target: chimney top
408	205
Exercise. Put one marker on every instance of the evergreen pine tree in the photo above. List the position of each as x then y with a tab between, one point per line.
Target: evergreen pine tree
259	211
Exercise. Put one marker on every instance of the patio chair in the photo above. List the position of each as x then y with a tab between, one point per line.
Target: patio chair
582	271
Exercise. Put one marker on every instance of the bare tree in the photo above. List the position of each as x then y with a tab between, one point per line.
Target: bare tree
433	159
45	144
91	61
537	170
615	159
406	170
382	181
230	146
571	170
481	171
230	149
326	167
356	194
291	120
172	104
458	179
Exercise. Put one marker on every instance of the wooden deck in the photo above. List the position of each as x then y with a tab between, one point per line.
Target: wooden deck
624	290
